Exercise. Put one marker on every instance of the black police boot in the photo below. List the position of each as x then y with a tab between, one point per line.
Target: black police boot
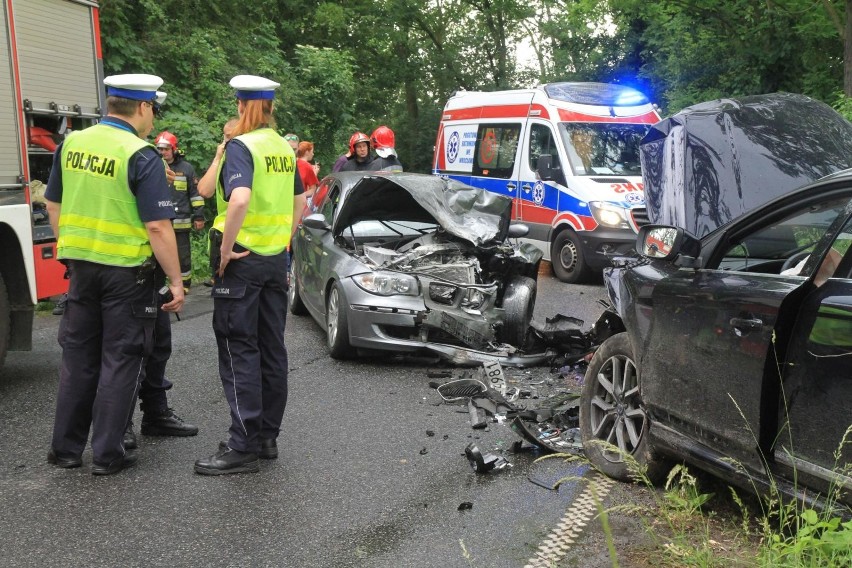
63	462
130	438
268	449
166	423
226	461
115	465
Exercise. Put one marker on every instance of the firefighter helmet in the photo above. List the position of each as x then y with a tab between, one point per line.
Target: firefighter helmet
357	138
166	138
382	140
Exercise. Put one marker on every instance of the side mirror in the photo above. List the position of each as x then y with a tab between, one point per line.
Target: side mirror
316	221
545	167
518	230
664	242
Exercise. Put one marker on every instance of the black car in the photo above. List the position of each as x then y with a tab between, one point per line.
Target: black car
736	349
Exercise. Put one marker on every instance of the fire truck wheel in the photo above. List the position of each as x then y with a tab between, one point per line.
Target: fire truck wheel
566	257
5	321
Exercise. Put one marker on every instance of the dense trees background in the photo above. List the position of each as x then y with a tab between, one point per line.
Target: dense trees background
356	64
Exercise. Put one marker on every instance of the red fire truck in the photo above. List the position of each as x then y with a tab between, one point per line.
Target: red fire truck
51	77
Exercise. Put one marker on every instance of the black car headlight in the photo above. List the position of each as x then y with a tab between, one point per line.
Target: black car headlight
387	283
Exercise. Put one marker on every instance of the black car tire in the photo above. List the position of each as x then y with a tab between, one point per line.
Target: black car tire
294	296
611	411
337	323
567	260
518	304
5	321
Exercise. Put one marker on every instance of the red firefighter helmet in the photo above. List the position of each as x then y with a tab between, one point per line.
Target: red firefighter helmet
166	138
357	138
382	140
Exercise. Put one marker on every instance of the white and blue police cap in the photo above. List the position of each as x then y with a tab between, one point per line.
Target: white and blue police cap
134	86
252	87
161	97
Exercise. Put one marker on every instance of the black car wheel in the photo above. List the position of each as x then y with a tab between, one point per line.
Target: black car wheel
294	297
337	324
518	304
566	257
613	421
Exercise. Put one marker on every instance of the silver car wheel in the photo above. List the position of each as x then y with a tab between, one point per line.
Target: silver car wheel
333	315
615	413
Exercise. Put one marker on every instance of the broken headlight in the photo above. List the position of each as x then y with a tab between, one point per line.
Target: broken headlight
387	283
473	300
609	215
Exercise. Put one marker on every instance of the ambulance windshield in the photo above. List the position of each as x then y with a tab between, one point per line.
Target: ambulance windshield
599	148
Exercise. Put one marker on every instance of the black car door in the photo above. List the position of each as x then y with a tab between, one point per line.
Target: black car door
818	377
712	344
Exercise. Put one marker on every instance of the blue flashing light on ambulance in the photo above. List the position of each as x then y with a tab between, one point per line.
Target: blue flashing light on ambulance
568	155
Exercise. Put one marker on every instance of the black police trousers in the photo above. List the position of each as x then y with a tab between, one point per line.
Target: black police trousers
249	315
152	392
105	334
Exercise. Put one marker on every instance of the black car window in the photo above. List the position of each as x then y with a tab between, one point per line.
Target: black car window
542	142
770	247
328	206
834	265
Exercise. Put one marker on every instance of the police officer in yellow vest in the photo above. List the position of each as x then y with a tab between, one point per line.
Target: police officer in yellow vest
257	193
110	208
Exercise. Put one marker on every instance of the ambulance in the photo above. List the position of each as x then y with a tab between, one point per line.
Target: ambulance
51	74
567	153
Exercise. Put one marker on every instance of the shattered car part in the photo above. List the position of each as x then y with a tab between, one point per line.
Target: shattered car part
483	463
460	390
544	413
409	262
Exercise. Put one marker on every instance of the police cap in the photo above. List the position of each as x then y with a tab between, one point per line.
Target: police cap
135	86
252	87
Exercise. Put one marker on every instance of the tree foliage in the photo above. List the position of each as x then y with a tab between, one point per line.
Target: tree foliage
356	64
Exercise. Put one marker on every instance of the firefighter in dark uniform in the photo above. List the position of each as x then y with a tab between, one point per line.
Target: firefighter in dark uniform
110	208
158	419
189	205
256	192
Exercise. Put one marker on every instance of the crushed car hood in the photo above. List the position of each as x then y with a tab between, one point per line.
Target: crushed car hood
474	215
718	160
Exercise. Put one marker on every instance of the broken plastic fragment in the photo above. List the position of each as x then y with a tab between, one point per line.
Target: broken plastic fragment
483	463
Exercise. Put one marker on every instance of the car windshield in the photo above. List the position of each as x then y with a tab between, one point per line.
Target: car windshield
603	148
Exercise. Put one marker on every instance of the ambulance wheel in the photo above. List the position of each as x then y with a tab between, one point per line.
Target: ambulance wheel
294	297
337	323
566	257
518	304
5	321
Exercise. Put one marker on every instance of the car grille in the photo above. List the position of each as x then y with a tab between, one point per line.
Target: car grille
639	218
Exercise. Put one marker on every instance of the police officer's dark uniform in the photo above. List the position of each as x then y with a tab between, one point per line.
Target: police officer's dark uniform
250	296
110	183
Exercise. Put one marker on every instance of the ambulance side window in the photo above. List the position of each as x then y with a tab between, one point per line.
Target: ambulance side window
496	150
543	142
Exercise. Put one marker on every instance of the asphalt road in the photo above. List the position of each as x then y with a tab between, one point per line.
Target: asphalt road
371	471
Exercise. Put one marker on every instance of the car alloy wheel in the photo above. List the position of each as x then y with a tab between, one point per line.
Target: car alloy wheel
613	421
337	324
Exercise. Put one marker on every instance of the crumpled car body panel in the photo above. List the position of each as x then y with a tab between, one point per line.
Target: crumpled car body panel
716	161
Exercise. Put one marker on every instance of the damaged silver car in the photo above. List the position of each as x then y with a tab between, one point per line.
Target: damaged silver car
408	262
